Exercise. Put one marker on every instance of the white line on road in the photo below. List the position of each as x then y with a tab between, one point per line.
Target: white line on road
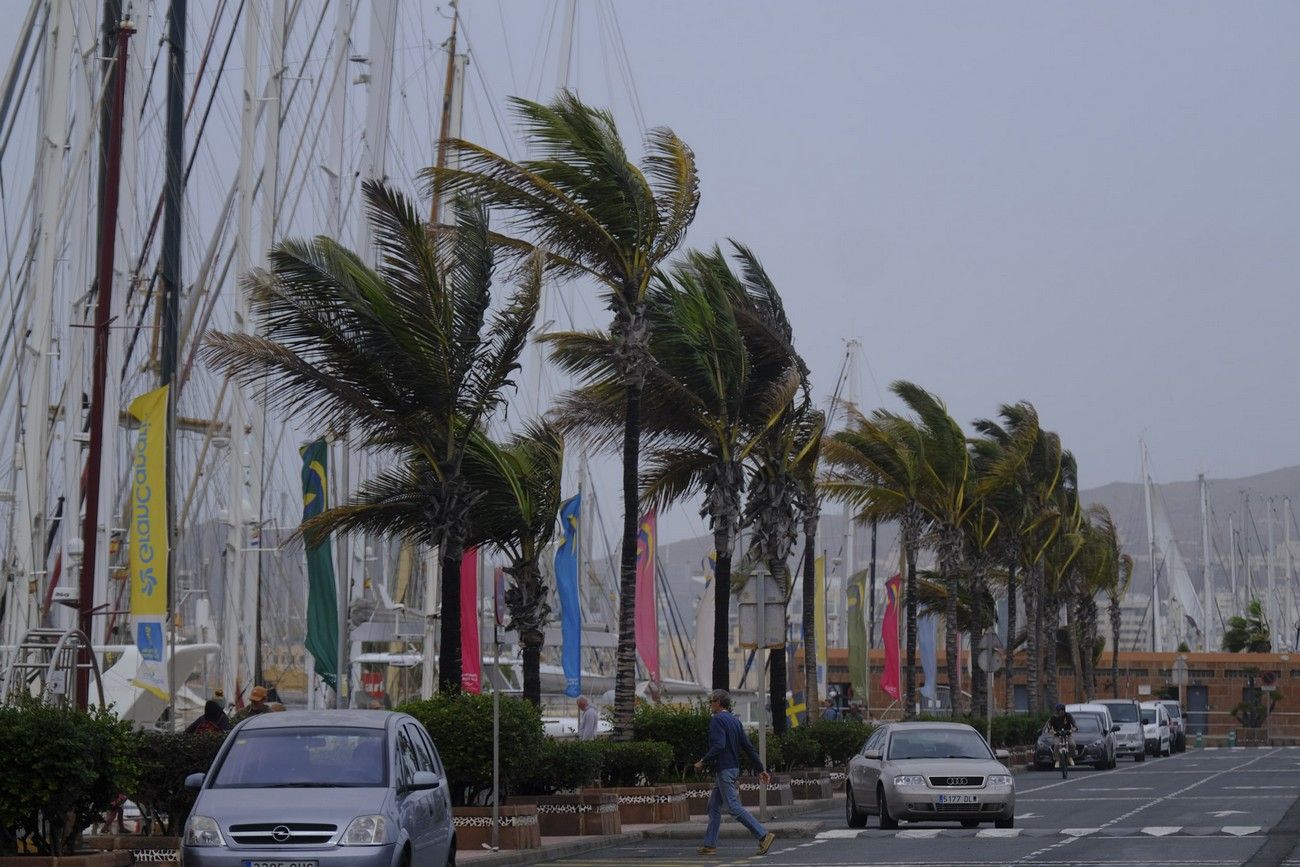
1161	830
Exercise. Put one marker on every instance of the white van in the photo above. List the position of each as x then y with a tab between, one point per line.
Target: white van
1130	740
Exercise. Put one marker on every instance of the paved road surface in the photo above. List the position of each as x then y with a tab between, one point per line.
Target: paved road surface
1202	808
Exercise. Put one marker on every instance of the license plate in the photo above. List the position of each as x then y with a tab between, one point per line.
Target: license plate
957	799
277	863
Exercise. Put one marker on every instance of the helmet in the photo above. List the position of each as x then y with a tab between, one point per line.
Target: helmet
1060	707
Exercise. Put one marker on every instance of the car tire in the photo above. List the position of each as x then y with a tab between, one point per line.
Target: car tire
855	817
970	823
887	822
451	854
1005	823
1166	753
1140	757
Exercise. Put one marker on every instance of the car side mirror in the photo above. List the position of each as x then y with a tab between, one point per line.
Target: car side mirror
1164	723
194	781
423	780
1002	755
874	755
1115	727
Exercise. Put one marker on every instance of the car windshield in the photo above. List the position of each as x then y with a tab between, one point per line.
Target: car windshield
938	744
1148	717
1123	713
1174	710
304	758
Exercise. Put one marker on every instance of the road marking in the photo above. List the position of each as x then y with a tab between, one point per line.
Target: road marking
1161	830
1030	815
1241	830
1121	789
998	832
1079	832
1247	788
838	834
1221	813
919	834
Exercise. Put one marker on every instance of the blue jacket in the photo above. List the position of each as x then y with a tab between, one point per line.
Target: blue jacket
727	739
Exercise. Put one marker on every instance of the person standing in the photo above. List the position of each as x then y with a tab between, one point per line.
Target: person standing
727	739
829	711
586	719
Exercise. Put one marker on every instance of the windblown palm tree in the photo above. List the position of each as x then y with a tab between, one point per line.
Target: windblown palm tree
400	358
710	394
517	495
595	213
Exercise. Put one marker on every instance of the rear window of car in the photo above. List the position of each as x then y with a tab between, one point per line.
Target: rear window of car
1123	712
304	758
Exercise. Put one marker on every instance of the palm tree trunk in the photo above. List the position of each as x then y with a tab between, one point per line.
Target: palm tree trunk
811	687
722	617
1009	663
449	661
1072	629
1051	618
531	651
1114	646
950	636
909	694
625	672
1033	629
779	680
978	682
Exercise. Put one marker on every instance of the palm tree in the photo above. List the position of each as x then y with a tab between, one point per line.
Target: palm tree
713	389
1248	633
808	503
595	213
1058	561
875	465
517	495
396	358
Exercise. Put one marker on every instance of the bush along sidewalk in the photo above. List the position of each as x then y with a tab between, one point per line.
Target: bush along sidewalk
164	760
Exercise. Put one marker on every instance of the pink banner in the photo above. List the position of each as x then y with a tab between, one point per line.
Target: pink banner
471	657
889	638
647	616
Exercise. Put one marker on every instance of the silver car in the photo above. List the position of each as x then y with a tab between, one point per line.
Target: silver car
334	788
932	771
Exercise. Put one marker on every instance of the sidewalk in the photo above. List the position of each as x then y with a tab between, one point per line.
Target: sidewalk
562	847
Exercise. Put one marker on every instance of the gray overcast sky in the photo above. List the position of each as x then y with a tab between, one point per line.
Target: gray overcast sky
1092	206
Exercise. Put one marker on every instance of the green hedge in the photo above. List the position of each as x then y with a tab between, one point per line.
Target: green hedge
461	727
59	763
164	760
634	763
561	766
684	728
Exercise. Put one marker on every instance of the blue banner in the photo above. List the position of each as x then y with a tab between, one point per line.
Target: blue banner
926	627
566	586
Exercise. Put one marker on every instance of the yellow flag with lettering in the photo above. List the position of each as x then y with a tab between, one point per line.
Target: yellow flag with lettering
149	542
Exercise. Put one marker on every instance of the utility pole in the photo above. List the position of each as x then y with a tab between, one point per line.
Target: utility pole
1206	584
1151	550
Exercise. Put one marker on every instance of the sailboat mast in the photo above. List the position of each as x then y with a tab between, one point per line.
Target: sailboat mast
1232	565
1206	594
1151	550
171	288
444	127
99	377
1290	570
1274	620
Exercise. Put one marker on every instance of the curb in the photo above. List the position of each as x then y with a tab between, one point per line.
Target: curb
550	851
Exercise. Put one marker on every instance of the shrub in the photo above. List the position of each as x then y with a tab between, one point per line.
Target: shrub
164	760
61	763
561	766
775	757
684	728
633	763
461	727
839	740
798	749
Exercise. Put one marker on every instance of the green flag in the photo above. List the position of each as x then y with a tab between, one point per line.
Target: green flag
322	593
856	594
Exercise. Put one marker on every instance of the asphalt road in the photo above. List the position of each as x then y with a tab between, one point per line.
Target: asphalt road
1202	808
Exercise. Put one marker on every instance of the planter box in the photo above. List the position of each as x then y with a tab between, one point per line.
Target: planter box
779	793
648	805
580	815
1252	737
142	848
517	824
697	797
811	785
117	858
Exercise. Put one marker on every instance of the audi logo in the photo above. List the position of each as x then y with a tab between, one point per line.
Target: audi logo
957	781
281	833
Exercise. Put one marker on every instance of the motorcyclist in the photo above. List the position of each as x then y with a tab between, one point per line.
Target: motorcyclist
1062	725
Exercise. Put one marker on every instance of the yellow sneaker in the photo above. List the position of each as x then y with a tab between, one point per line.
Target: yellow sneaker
766	843
707	850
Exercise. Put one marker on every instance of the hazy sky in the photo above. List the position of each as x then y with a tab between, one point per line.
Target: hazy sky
1091	206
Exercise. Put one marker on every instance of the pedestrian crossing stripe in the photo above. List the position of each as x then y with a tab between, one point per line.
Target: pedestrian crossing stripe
1153	831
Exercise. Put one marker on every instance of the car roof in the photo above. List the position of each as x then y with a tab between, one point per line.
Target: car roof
1152	705
916	725
1091	707
355	719
1108	701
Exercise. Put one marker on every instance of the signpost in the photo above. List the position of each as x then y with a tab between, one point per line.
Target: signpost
1179	677
756	633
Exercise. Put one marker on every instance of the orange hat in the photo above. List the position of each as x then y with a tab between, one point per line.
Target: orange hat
258	693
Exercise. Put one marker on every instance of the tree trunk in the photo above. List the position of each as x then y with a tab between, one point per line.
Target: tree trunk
1009	662
978	681
778	684
1051	619
531	651
722	619
950	640
1072	629
811	686
1114	647
1033	629
909	695
625	673
449	661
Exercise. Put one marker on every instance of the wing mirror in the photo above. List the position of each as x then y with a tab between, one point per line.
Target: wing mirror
874	755
194	781
1115	727
1002	755
1164	723
422	780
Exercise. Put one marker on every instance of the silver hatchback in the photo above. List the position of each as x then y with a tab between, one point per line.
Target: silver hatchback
929	771
322	789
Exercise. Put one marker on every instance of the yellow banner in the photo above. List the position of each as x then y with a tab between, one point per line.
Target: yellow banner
149	543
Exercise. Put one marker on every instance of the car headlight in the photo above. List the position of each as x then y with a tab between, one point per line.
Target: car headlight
203	831
364	831
999	779
909	780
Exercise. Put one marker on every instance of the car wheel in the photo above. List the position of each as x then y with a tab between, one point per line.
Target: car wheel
970	823
1005	823
1167	751
855	817
451	854
1140	757
887	822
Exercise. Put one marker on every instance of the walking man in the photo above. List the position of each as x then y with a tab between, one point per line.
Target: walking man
586	719
727	739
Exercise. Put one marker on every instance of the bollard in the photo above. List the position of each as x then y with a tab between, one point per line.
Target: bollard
1232	737
1200	740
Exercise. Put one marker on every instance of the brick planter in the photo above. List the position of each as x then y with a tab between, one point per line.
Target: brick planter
648	805
779	793
580	815
518	828
697	797
811	785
